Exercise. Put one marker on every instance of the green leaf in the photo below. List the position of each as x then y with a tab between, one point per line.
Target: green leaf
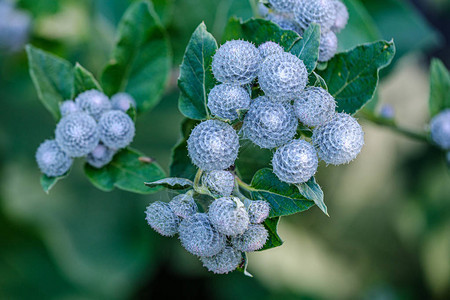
251	159
311	190
181	165
360	28
127	171
315	79
259	31
284	199
439	87
48	183
196	78
141	60
243	265
307	49
352	77
274	239
173	183
52	77
84	80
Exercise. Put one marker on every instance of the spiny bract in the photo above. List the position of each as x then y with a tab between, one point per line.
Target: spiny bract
295	162
224	262
93	102
283	5
162	219
52	161
77	134
225	99
321	12
68	107
236	62
252	239
314	107
228	215
258	211
122	101
269	48
282	76
100	156
220	183
199	237
269	124
440	129
213	145
183	205
340	140
341	16
328	46
116	129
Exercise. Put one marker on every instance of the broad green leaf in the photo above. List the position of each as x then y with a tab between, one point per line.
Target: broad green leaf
84	80
47	183
311	190
52	77
259	31
352	77
127	171
307	49
360	29
251	158
173	183
284	199
181	165
140	62
196	78
274	239
439	87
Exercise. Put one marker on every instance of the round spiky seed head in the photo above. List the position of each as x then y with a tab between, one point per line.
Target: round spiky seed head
228	215
252	239
199	237
314	107
269	124
225	99
100	156
224	262
219	183
269	48
236	62
122	101
15	27
93	102
213	145
258	211
341	16
321	12
285	21
183	205
328	46
52	161
283	5
116	129
68	107
162	219
282	76
340	140
440	129
295	162
77	134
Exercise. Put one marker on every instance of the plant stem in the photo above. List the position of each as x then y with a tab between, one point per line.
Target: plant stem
244	185
390	123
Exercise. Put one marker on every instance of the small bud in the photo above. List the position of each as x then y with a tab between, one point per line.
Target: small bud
228	215
224	262
93	102
52	161
116	129
252	239
161	218
183	205
220	183
258	211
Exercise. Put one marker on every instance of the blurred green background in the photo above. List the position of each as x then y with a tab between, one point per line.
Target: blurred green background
389	232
